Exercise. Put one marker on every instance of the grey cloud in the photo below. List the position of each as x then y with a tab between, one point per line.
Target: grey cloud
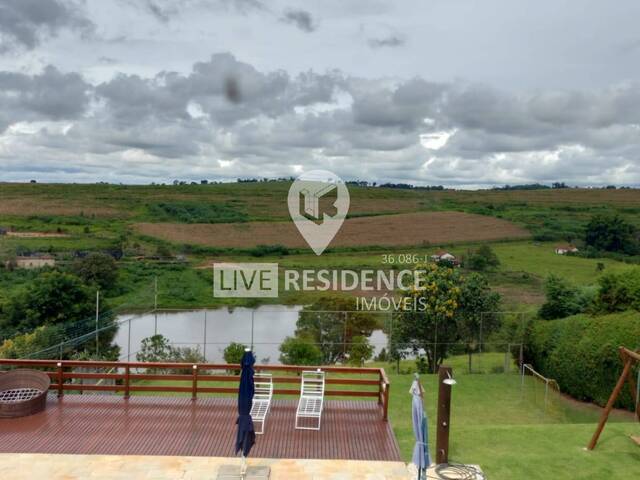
302	19
392	41
405	106
166	10
25	23
50	95
359	127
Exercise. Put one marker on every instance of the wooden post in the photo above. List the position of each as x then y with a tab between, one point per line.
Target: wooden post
380	388
612	399
632	385
444	415
194	388
385	408
127	381
60	380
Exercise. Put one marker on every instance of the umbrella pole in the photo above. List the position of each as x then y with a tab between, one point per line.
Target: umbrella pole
243	466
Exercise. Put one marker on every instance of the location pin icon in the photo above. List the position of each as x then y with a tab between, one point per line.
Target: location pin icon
308	207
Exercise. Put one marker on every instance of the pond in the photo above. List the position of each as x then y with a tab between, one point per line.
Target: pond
212	330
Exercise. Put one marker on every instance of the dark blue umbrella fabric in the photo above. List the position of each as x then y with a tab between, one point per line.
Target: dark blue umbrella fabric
246	436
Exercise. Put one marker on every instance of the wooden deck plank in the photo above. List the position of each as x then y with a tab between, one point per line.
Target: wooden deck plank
108	424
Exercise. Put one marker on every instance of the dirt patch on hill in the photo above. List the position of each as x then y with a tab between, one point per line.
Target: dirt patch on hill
36	235
409	229
25	207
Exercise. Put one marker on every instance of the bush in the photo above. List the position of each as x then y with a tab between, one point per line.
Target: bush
265	250
42	338
196	212
360	351
233	352
611	234
581	353
483	258
619	292
421	365
97	269
300	351
563	299
51	298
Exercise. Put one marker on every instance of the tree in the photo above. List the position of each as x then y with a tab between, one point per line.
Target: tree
155	349
97	269
431	327
481	259
477	316
41	338
233	352
562	299
361	350
611	234
331	324
51	298
300	351
618	291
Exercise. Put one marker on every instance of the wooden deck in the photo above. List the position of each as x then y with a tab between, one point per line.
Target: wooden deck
109	424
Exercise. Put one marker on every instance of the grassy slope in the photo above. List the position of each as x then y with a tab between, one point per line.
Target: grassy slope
505	429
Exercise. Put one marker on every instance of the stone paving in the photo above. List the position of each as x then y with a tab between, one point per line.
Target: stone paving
19	466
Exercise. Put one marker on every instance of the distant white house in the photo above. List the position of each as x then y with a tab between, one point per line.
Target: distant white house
564	249
35	261
443	255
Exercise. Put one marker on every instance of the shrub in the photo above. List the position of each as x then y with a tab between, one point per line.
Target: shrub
421	365
619	292
42	338
612	234
483	258
265	250
300	351
97	269
196	212
563	299
581	353
361	350
233	354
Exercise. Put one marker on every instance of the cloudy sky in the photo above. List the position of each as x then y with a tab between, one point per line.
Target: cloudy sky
455	92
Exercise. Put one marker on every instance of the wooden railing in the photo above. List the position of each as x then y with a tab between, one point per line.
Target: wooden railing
125	377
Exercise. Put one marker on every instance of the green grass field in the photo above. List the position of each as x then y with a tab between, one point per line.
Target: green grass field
102	217
507	430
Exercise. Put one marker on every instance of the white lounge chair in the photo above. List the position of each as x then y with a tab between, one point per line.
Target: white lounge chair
311	399
263	383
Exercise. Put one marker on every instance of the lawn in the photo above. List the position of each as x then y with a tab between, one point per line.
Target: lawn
505	428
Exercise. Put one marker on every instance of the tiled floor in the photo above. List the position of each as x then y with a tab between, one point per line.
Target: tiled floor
19	466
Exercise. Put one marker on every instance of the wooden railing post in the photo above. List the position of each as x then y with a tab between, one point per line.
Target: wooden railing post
380	387
385	415
60	379
194	388
387	387
127	380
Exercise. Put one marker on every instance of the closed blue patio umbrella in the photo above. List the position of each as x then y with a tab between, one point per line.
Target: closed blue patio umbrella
421	457
246	436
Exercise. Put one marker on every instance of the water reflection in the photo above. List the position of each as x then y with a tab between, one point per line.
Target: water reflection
212	330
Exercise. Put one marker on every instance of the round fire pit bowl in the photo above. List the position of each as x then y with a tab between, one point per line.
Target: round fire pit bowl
23	392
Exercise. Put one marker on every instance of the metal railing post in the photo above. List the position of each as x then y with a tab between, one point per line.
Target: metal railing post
204	339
